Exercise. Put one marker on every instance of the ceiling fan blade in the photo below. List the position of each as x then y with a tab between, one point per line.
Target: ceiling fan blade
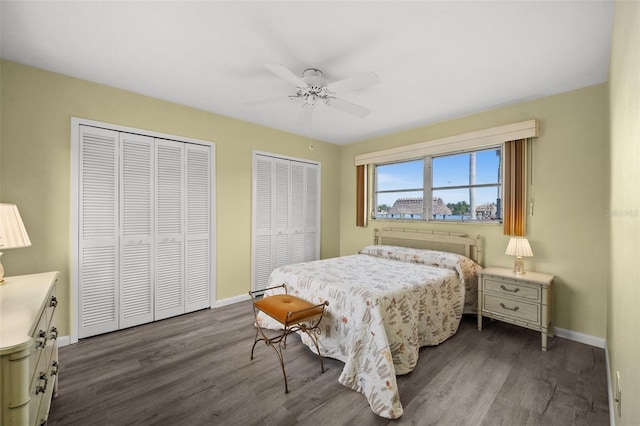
266	101
285	74
304	118
348	107
355	82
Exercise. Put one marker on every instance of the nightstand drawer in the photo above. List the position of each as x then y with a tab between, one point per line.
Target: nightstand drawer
510	308
513	289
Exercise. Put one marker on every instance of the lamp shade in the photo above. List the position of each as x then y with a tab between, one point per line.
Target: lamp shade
519	246
12	231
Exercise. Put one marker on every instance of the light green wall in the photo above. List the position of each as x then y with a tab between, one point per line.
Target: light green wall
35	168
623	324
569	229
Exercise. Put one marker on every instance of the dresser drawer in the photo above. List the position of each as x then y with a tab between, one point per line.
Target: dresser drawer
42	388
512	309
512	288
519	299
28	349
40	338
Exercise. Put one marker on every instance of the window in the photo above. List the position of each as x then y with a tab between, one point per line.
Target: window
463	186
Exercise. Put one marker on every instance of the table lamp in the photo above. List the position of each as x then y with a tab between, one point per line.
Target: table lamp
12	231
519	247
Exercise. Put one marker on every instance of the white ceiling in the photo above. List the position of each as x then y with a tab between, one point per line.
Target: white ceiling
436	60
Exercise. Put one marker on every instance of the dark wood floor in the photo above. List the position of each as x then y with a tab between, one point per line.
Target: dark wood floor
195	370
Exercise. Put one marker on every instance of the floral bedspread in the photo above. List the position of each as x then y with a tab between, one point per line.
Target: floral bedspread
384	304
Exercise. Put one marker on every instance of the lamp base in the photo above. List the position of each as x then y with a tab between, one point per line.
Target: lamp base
518	266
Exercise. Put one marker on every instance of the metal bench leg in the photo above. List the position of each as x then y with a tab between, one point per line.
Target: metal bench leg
312	335
281	340
290	327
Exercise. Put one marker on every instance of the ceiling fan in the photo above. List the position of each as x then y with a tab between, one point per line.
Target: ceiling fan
313	89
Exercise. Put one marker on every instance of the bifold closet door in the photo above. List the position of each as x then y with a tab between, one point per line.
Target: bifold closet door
144	229
286	215
169	221
304	212
312	213
136	229
273	217
281	227
198	229
98	289
263	219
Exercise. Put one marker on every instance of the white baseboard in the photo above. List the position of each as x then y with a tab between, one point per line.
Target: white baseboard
231	300
64	341
612	410
579	337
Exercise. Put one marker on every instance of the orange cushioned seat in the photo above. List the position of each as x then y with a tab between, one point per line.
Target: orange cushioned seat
295	314
288	309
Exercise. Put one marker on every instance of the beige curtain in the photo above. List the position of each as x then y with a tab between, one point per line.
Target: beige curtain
515	207
361	190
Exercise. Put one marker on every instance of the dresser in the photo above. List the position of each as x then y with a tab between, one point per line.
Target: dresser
524	300
28	348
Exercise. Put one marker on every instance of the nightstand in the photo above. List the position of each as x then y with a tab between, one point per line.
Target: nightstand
523	300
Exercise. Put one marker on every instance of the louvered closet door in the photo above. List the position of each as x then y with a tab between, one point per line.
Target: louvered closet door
286	215
282	213
263	220
198	243
98	221
298	201
136	230
170	289
312	213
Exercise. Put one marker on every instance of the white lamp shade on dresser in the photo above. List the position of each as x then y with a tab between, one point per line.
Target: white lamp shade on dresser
519	247
13	234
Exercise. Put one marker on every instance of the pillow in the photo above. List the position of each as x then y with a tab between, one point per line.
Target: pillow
438	259
464	266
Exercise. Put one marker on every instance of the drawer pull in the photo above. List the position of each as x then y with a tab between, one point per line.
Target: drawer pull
54	333
43	388
54	368
517	289
54	302
510	309
41	341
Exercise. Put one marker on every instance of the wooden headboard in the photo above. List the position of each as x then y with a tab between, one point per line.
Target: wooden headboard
452	242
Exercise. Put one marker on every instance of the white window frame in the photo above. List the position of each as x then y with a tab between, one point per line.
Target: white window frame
427	189
475	140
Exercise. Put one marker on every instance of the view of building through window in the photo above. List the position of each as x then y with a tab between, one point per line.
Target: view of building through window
461	187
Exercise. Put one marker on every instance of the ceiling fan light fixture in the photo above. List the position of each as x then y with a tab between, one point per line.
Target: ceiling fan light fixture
312	88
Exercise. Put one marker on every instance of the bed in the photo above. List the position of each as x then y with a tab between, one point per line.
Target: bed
406	291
